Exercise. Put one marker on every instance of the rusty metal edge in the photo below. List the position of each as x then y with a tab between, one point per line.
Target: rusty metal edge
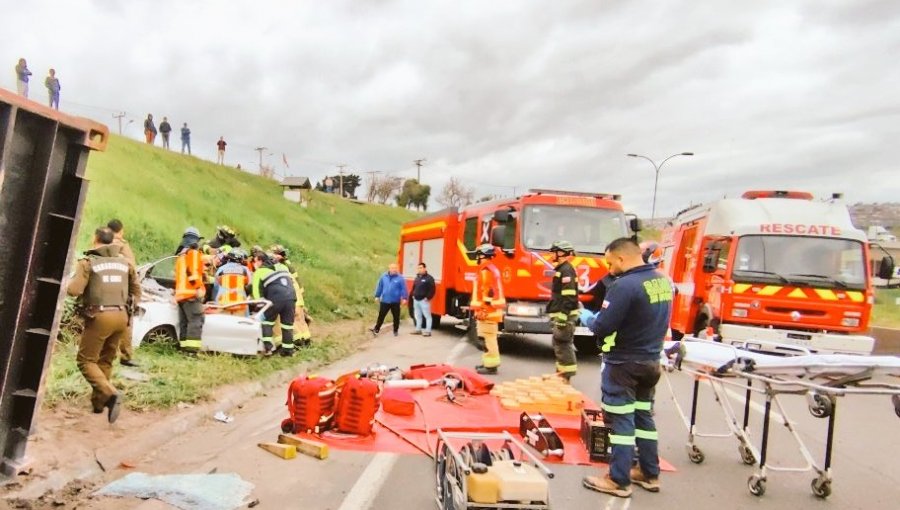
96	135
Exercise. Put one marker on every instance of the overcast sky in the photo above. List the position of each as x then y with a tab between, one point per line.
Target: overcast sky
506	95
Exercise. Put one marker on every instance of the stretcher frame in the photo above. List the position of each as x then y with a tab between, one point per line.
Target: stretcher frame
821	392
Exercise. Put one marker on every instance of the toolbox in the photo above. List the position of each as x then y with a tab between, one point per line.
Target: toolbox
595	435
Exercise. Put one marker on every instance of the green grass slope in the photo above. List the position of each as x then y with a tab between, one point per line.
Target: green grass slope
340	247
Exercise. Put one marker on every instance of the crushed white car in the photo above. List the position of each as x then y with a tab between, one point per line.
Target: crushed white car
156	315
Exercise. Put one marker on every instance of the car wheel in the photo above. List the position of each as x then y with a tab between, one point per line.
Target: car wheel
161	335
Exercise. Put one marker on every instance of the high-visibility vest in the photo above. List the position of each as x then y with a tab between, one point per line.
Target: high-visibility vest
189	275
232	287
487	292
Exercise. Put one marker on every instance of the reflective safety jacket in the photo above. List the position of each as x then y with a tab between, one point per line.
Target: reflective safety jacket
563	304
231	283
274	285
488	301
189	275
634	317
298	289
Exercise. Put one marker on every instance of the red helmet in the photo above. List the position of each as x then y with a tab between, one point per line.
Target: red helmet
651	252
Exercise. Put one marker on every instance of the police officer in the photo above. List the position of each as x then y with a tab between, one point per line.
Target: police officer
276	286
632	322
104	282
126	350
563	308
487	305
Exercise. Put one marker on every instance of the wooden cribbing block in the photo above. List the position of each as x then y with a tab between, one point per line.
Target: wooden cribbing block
305	446
285	451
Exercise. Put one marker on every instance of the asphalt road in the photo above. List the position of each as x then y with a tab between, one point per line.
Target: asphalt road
866	466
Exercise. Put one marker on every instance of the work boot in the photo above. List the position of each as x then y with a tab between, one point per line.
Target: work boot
396	333
114	405
416	332
374	331
286	352
427	333
268	348
483	370
128	363
649	483
606	485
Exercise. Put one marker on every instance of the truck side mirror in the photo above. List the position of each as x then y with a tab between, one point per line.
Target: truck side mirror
886	268
710	261
636	224
498	235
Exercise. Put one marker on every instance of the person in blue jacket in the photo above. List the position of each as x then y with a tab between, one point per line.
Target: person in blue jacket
390	293
632	323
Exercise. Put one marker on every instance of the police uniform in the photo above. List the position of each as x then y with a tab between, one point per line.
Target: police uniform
104	281
276	286
563	312
633	321
126	349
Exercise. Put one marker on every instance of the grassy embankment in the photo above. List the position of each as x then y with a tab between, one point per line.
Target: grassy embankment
340	248
886	312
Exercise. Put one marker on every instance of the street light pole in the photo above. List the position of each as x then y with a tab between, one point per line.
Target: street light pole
657	168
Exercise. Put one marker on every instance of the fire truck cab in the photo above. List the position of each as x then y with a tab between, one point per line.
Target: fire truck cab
772	267
522	229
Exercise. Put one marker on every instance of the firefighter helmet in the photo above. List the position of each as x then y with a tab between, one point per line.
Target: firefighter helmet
279	250
485	251
651	252
226	232
236	255
192	231
562	246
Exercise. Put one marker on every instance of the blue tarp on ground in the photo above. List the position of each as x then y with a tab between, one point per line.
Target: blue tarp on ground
188	492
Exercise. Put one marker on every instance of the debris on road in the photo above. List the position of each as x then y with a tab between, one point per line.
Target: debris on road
222	417
285	451
194	492
305	446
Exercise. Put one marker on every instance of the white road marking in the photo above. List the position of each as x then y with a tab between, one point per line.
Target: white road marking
370	482
376	474
756	406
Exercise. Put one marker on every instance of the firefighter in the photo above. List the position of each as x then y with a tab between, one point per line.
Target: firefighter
104	282
487	306
276	286
190	290
232	279
632	322
302	334
563	308
225	239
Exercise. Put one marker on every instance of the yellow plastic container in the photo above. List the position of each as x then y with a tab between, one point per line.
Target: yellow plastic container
519	482
483	487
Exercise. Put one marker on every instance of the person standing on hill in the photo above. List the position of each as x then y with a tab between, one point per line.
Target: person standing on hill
164	129
103	282
221	146
185	138
22	74
149	129
390	293
126	349
422	294
53	88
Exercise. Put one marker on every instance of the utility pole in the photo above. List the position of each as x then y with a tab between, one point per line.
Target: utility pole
118	116
260	151
341	178
418	163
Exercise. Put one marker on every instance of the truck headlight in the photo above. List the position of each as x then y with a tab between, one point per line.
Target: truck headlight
738	312
524	310
850	322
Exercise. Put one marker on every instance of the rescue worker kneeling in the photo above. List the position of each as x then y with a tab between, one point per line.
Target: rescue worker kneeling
275	286
487	305
103	281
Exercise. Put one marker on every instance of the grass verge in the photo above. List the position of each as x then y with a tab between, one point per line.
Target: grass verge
886	312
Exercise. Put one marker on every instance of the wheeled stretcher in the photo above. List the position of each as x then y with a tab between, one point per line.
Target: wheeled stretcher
820	378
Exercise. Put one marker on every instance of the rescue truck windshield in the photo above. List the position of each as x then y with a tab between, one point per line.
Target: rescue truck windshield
589	229
813	261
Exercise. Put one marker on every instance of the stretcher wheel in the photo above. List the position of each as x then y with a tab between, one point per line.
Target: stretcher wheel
822	406
696	455
757	485
821	487
747	455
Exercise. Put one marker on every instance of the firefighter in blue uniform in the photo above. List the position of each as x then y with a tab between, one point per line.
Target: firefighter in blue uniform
632	323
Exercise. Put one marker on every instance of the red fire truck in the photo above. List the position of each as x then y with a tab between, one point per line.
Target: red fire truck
772	267
522	229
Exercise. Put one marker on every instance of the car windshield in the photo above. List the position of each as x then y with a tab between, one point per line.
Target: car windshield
815	261
589	229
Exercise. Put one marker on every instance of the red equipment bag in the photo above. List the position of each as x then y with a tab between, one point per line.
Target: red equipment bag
356	407
311	404
473	382
398	401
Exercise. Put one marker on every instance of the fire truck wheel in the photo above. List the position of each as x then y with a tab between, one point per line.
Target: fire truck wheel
587	345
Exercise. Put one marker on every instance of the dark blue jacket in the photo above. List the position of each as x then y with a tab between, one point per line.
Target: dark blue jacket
634	317
391	288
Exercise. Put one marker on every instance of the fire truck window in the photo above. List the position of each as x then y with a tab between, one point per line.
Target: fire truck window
470	234
723	248
589	229
509	237
814	261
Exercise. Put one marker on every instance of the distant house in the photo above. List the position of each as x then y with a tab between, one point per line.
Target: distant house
296	189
